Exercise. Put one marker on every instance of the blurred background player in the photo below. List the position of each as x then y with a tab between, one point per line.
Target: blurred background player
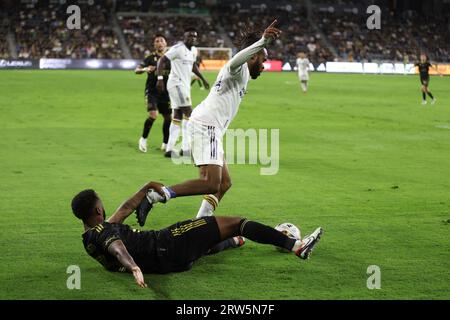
303	68
155	100
120	248
209	123
424	66
182	57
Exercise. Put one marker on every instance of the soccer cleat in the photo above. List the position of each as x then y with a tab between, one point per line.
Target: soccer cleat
171	154
308	244
433	101
143	210
146	205
424	102
163	147
143	144
185	153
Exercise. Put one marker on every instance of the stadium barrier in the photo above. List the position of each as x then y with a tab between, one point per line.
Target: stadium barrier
214	65
371	68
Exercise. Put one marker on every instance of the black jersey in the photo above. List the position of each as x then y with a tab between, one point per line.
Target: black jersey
141	245
423	69
152	78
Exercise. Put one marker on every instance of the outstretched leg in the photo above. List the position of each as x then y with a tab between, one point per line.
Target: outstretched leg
255	231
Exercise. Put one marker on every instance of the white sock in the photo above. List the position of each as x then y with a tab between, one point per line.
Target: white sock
185	145
174	133
304	86
153	197
298	244
208	206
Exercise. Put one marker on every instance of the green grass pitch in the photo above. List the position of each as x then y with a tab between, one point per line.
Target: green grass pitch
359	156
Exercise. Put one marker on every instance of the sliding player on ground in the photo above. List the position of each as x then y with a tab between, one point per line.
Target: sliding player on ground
173	249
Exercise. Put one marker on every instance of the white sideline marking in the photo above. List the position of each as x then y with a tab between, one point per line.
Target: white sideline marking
443	126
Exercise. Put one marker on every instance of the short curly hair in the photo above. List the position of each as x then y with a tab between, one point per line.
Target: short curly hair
83	204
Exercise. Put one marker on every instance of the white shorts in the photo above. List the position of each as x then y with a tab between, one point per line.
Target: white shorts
179	96
303	76
206	144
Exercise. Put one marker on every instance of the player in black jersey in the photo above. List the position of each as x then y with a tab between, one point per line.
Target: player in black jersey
173	249
424	66
155	100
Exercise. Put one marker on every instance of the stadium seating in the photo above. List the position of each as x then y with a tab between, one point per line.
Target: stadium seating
139	31
298	34
42	32
333	31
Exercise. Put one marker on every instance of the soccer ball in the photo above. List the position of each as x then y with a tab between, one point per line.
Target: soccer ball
290	230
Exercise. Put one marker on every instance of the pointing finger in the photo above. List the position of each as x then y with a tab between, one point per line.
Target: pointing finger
272	24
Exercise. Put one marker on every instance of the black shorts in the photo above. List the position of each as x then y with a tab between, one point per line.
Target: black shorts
158	102
181	244
425	80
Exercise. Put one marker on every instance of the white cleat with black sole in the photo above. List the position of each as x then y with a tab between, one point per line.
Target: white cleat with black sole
143	144
309	243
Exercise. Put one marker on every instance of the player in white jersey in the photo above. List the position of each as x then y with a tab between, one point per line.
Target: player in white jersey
208	124
303	68
182	56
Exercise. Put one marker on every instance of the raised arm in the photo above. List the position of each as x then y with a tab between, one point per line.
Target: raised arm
118	250
128	207
244	55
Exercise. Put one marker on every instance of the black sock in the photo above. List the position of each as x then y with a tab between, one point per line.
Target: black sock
430	95
147	126
200	83
424	96
166	128
264	234
224	245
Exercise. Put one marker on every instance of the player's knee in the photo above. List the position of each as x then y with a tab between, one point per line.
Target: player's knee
213	187
225	185
153	115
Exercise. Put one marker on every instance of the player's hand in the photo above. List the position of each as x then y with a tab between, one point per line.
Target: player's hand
139	277
271	32
206	84
150	69
160	85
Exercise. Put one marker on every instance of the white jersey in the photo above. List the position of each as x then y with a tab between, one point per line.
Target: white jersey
222	103
303	66
181	62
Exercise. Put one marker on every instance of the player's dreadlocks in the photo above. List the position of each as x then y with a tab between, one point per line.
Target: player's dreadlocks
248	35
